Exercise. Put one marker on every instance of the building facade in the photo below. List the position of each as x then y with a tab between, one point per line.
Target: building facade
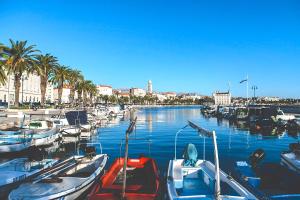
104	90
222	98
138	92
29	91
170	95
65	97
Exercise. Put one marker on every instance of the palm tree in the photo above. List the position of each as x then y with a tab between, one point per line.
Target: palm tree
20	60
3	74
44	66
86	86
59	78
74	78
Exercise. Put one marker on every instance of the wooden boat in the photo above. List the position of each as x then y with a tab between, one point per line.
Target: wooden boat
193	178
70	181
15	141
141	175
44	132
142	181
18	170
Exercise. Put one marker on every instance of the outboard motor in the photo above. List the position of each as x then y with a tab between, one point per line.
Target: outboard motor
295	148
90	151
36	154
257	156
190	156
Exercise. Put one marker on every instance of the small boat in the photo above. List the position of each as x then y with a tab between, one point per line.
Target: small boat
68	181
141	175
44	132
18	170
291	158
241	114
15	141
267	180
193	178
284	117
142	181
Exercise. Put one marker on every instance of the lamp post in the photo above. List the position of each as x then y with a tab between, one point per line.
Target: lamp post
254	88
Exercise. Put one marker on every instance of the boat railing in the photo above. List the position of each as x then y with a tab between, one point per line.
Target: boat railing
211	134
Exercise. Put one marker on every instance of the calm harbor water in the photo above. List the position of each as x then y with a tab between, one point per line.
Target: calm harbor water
157	128
155	133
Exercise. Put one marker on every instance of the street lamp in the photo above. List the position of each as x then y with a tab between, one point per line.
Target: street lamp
23	78
254	88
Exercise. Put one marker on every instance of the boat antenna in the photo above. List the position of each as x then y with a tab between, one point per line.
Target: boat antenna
128	132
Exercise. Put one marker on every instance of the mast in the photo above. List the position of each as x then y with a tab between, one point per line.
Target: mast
247	89
217	168
128	132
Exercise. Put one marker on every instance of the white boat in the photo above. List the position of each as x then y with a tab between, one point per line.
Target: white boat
291	158
44	132
69	133
15	140
193	178
69	182
284	117
18	170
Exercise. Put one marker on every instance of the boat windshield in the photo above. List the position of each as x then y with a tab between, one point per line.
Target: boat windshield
35	124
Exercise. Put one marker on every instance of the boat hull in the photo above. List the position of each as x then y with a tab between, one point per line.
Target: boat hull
110	190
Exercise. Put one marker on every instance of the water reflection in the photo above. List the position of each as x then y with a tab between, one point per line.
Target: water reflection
236	140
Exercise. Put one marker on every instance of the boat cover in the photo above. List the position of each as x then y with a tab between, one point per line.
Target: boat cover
190	155
77	117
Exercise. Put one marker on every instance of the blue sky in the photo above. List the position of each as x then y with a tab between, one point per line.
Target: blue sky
183	46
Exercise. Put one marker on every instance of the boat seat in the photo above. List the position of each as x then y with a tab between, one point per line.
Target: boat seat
177	174
129	188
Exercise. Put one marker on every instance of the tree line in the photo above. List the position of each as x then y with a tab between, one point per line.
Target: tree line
21	58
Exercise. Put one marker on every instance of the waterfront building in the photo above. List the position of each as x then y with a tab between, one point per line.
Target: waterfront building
170	95
49	96
138	92
104	90
160	97
222	98
270	99
29	91
65	97
149	87
192	96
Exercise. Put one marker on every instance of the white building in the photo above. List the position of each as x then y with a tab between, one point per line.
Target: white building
29	91
104	90
49	96
160	97
137	92
170	95
271	99
65	97
149	87
222	98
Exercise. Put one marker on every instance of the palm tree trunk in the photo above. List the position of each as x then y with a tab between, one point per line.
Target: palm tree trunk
43	85
79	95
84	97
17	84
72	95
60	91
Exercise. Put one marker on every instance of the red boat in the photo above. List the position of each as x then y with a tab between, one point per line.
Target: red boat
142	182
